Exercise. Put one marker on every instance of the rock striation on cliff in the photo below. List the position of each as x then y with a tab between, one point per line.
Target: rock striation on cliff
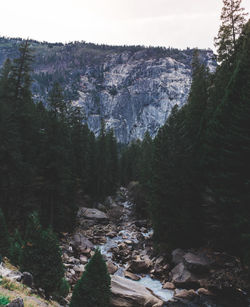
132	89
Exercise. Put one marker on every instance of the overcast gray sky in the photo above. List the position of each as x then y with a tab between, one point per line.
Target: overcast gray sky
175	23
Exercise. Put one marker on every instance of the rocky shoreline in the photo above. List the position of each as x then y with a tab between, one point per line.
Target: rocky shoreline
195	277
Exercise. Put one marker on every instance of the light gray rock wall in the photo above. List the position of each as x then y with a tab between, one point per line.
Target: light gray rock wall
134	95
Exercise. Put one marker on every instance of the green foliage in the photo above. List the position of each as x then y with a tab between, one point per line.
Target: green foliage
42	256
200	186
226	153
136	165
4	300
16	246
4	236
93	289
64	288
48	157
129	162
106	160
174	192
233	20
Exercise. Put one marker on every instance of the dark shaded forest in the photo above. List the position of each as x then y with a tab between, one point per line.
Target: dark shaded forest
194	176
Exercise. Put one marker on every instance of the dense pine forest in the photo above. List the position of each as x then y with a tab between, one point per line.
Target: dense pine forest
48	156
195	174
193	177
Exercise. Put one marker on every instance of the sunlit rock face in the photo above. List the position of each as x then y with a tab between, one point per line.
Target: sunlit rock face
131	89
136	93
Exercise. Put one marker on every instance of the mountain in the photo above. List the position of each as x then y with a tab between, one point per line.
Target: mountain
131	88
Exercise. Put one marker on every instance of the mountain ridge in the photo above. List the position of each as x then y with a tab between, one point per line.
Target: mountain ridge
131	88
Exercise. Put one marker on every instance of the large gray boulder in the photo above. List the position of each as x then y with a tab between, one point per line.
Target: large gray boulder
81	243
88	217
182	278
196	263
16	303
92	214
177	256
27	279
128	293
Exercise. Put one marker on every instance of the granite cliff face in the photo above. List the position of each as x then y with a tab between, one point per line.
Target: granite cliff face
132	89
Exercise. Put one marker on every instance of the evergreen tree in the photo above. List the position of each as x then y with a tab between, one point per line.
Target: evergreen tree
42	256
233	20
21	74
101	166
4	236
177	178
93	289
226	152
112	163
142	191
56	101
16	245
9	139
174	214
129	162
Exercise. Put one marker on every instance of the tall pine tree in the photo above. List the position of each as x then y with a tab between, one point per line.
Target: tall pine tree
233	20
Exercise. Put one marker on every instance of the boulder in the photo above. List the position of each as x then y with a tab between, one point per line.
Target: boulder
79	268
111	234
128	293
177	256
73	260
169	286
182	278
92	214
27	279
80	242
185	294
140	266
112	268
83	259
86	251
16	303
132	276
196	263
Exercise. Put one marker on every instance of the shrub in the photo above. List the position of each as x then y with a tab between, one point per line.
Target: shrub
4	300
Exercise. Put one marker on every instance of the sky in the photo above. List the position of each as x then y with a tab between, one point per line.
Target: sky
170	23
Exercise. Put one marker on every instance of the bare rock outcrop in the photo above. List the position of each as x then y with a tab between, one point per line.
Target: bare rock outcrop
127	293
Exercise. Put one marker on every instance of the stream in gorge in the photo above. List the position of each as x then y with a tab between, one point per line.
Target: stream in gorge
150	283
136	269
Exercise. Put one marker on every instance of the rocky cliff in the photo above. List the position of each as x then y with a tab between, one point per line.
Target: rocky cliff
131	88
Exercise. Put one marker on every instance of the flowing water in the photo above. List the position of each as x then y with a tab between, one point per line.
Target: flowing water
147	281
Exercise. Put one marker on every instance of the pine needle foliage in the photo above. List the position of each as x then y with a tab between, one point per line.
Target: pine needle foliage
42	256
4	236
93	289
